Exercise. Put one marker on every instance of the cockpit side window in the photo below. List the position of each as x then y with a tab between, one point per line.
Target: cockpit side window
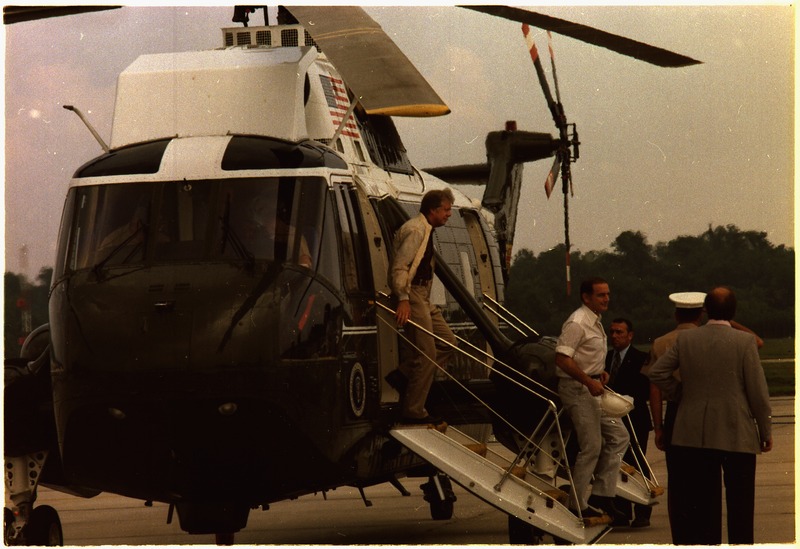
65	236
329	263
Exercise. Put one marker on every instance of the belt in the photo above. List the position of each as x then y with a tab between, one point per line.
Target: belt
597	377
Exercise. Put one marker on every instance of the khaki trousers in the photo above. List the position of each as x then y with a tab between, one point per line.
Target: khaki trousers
602	441
420	370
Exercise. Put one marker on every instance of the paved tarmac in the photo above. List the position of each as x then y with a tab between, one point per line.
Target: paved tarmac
343	519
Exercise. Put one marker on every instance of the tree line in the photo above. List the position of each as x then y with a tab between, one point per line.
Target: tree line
641	277
25	308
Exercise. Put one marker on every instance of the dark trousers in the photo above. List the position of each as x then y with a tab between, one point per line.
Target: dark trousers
669	423
695	484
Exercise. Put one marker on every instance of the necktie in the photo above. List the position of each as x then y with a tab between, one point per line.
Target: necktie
615	362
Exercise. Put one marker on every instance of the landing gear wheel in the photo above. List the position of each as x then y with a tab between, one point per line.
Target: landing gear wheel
442	510
8	526
560	541
522	533
440	496
44	527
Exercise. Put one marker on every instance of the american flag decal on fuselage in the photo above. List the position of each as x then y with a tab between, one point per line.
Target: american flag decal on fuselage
336	96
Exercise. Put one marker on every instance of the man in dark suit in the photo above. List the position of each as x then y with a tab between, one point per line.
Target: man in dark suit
624	365
723	421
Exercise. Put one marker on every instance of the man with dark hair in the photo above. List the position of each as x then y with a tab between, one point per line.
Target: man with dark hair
580	357
624	366
723	421
411	279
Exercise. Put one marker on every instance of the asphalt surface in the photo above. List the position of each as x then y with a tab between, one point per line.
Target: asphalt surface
342	518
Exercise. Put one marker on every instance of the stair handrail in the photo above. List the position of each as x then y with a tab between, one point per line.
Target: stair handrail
515	317
551	405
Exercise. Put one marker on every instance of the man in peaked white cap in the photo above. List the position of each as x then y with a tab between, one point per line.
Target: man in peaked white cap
688	300
688	314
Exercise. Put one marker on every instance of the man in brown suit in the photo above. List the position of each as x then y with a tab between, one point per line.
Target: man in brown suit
723	421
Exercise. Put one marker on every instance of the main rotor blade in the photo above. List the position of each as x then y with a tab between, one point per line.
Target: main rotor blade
614	42
20	14
374	68
555	108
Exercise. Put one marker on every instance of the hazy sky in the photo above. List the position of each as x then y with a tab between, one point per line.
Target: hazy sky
664	151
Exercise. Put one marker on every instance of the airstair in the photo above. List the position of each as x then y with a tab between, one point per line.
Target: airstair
532	485
495	477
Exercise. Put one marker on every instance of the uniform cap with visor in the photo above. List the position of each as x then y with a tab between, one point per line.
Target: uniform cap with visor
688	300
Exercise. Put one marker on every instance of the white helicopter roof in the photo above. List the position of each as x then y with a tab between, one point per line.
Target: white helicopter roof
242	91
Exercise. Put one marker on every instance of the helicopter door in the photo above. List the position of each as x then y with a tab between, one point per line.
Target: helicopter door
363	270
483	257
388	351
376	264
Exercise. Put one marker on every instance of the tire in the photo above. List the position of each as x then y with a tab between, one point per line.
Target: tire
44	527
8	521
442	509
522	533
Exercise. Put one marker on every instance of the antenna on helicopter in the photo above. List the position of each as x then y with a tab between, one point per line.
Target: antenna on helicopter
241	14
88	125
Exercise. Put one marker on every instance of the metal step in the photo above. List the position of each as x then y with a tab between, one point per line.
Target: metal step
490	476
633	486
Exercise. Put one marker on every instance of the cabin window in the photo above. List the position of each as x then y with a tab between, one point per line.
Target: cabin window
359	151
383	143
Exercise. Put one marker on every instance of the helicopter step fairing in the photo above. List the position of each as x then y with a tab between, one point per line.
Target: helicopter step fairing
493	477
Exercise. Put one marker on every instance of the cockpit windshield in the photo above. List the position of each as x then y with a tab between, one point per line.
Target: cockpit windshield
249	220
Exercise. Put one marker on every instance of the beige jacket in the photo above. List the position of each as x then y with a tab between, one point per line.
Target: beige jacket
409	247
725	401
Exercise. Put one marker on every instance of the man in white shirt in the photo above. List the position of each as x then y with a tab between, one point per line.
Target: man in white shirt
580	357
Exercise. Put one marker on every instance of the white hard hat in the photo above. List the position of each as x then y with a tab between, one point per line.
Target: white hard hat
615	404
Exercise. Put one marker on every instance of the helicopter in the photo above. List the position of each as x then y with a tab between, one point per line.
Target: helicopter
182	339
